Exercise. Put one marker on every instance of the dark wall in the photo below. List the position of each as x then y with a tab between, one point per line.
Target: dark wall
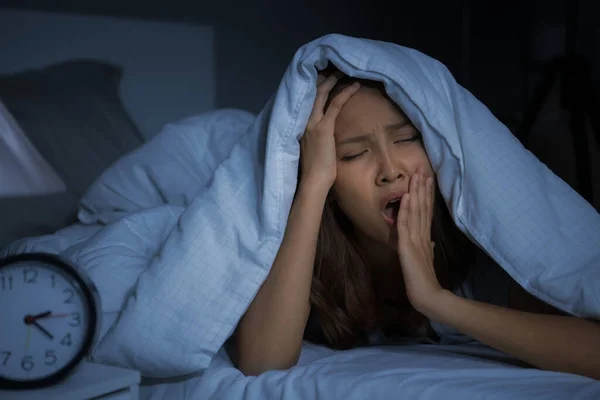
497	50
256	39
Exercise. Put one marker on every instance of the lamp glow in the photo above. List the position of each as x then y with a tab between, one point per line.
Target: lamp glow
23	170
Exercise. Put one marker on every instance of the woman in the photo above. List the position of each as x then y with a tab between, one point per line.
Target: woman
370	250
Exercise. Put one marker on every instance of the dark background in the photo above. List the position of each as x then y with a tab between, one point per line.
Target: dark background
491	36
496	49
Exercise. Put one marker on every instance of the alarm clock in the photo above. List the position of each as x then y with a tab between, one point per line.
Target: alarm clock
49	316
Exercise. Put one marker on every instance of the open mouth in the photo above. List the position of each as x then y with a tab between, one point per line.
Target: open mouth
390	212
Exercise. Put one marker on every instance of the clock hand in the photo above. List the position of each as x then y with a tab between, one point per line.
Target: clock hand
32	320
28	335
44	331
41	315
29	319
57	315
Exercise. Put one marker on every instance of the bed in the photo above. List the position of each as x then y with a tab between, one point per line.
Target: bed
401	372
135	199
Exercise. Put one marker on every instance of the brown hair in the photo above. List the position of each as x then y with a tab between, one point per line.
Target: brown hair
349	298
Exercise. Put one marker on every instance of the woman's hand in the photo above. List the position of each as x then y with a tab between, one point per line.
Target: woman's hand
317	146
415	248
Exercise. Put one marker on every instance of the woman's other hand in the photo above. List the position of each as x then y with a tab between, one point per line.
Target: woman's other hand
317	146
415	248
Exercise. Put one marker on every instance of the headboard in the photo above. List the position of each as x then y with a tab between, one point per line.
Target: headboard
168	68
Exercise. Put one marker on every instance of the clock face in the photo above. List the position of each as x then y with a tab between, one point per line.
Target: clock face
45	320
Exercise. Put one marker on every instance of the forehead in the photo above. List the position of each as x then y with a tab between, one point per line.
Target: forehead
367	110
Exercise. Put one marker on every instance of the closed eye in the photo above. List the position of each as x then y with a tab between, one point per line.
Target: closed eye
353	156
413	138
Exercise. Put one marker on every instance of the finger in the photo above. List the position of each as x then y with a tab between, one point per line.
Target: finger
424	211
323	90
430	197
321	78
402	219
337	75
336	104
414	219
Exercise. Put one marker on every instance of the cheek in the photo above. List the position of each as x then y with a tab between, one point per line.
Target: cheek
351	191
419	158
427	168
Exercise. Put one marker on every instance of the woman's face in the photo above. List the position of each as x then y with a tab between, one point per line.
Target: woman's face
377	153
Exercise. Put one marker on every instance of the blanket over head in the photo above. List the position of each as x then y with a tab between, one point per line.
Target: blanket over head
195	218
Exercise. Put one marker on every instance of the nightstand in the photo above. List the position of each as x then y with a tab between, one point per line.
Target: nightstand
89	381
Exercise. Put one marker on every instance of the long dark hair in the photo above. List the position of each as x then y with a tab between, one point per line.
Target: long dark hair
350	298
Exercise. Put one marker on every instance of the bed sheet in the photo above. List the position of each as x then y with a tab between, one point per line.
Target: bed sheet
427	372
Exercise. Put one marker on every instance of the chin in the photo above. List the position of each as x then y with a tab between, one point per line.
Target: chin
392	243
388	238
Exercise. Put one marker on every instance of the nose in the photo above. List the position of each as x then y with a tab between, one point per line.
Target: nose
389	171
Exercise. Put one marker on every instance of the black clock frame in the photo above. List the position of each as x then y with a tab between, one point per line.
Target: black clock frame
86	288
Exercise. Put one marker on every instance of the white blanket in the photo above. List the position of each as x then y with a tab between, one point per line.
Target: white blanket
423	372
193	225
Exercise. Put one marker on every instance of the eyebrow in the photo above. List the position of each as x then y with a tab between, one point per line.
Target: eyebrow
366	136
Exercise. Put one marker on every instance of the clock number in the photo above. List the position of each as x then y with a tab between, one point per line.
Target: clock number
30	275
27	363
50	357
75	321
6	357
7	283
66	341
69	294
